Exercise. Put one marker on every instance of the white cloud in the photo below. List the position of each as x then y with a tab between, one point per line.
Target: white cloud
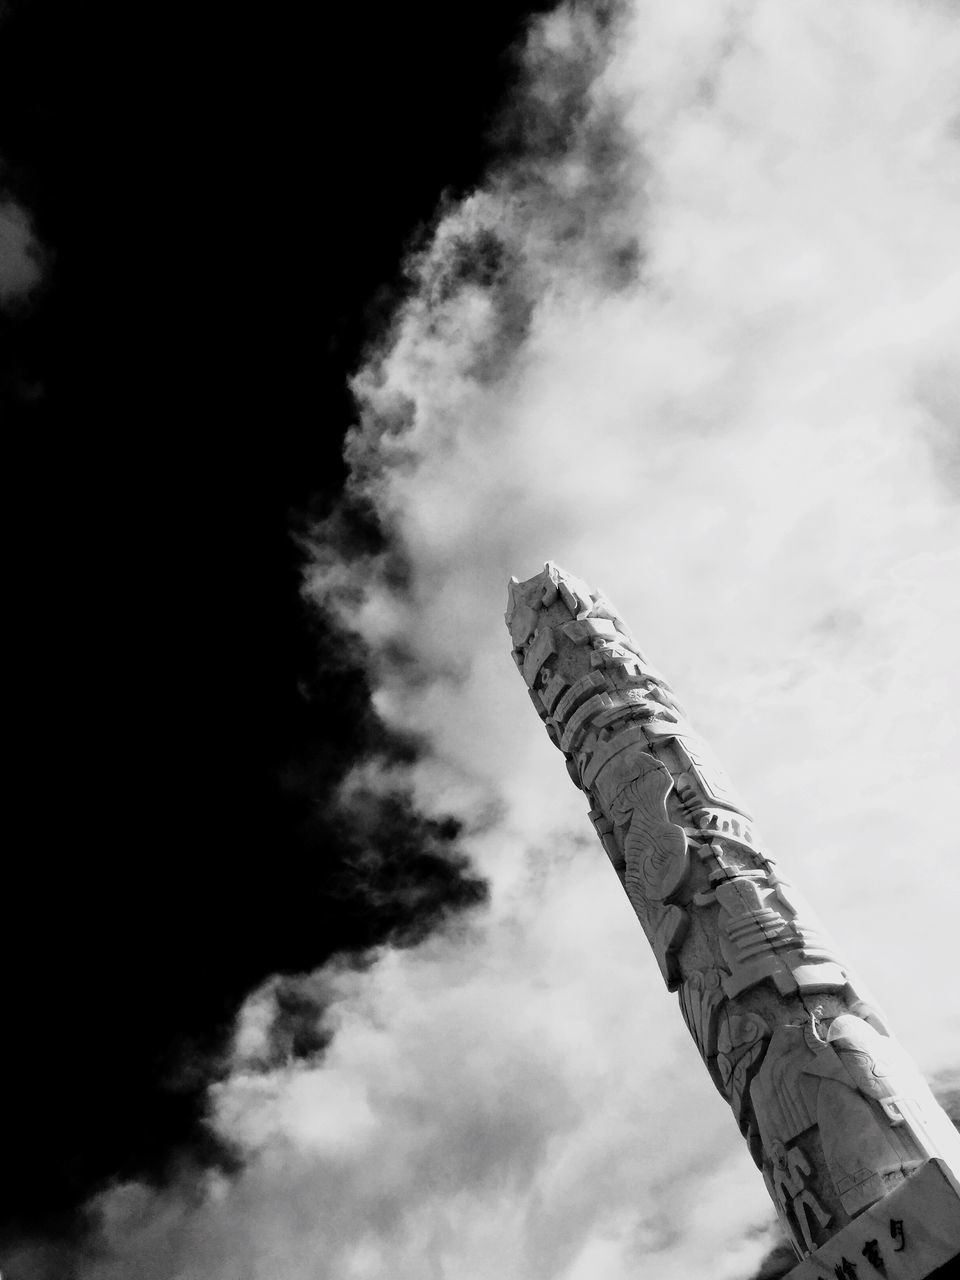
710	368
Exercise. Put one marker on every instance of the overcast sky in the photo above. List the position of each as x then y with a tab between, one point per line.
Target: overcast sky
695	338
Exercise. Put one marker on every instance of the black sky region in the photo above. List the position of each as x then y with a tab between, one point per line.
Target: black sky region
223	196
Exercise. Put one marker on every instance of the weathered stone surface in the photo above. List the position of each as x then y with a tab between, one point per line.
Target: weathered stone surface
836	1116
911	1234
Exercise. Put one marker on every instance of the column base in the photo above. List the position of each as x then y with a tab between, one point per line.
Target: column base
911	1234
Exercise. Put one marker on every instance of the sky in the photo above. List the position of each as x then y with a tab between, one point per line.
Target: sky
691	333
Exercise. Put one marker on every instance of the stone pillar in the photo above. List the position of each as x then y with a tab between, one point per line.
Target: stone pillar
837	1117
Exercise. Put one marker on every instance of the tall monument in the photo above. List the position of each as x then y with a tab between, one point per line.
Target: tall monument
862	1164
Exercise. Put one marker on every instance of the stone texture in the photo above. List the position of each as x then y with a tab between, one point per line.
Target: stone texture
835	1114
911	1234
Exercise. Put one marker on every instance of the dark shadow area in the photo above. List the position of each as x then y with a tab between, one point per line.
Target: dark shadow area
223	196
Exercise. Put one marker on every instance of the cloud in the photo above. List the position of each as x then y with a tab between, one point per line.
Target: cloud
462	1121
696	343
19	255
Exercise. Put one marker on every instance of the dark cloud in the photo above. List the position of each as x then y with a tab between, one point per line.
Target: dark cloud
486	261
19	256
947	1093
391	873
780	1261
482	260
552	115
403	867
550	104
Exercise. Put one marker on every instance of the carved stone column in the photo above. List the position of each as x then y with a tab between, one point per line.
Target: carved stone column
836	1116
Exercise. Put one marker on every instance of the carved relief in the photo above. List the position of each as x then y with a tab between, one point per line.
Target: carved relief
834	1122
882	1073
761	938
667	929
655	849
613	763
861	1158
800	1211
784	1100
806	1083
655	858
741	1043
538	653
525	600
713	779
731	1042
701	999
604	829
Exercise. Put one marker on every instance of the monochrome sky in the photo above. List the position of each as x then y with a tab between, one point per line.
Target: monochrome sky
694	337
